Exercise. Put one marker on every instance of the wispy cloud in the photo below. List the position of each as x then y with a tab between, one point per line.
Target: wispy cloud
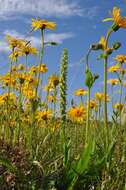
90	12
35	41
56	8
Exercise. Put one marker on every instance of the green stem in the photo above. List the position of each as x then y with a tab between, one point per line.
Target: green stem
112	95
105	80
41	83
105	93
19	115
121	87
55	94
26	63
8	110
88	115
41	57
81	100
99	111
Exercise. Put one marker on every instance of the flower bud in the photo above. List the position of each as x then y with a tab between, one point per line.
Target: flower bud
115	27
96	47
116	45
109	51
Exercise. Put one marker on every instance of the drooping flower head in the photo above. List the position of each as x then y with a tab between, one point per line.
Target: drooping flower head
118	20
102	42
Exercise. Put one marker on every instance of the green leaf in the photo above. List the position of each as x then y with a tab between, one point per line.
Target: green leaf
5	162
82	164
67	153
107	19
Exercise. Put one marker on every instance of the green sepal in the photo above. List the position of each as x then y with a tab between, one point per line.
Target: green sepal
102	56
89	80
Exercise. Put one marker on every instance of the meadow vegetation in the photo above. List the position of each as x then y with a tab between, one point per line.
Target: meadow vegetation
46	145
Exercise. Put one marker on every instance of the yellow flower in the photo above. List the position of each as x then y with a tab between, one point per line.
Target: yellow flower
51	99
43	115
8	96
27	49
33	70
21	77
122	71
26	118
8	80
42	68
30	81
118	106
42	24
14	68
14	55
2	101
93	104
113	81
53	80
14	42
114	68
20	67
77	114
124	84
120	22
29	93
48	88
80	92
120	58
99	96
102	42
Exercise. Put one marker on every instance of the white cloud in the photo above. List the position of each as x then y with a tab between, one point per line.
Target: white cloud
58	8
35	41
59	38
4	46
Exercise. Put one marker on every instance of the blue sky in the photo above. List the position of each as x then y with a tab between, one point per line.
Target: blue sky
79	24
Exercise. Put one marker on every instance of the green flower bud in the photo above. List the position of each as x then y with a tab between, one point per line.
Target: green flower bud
89	80
115	27
116	45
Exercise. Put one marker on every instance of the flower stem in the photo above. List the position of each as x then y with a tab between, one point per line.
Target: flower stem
88	115
26	63
41	57
105	80
105	94
120	101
